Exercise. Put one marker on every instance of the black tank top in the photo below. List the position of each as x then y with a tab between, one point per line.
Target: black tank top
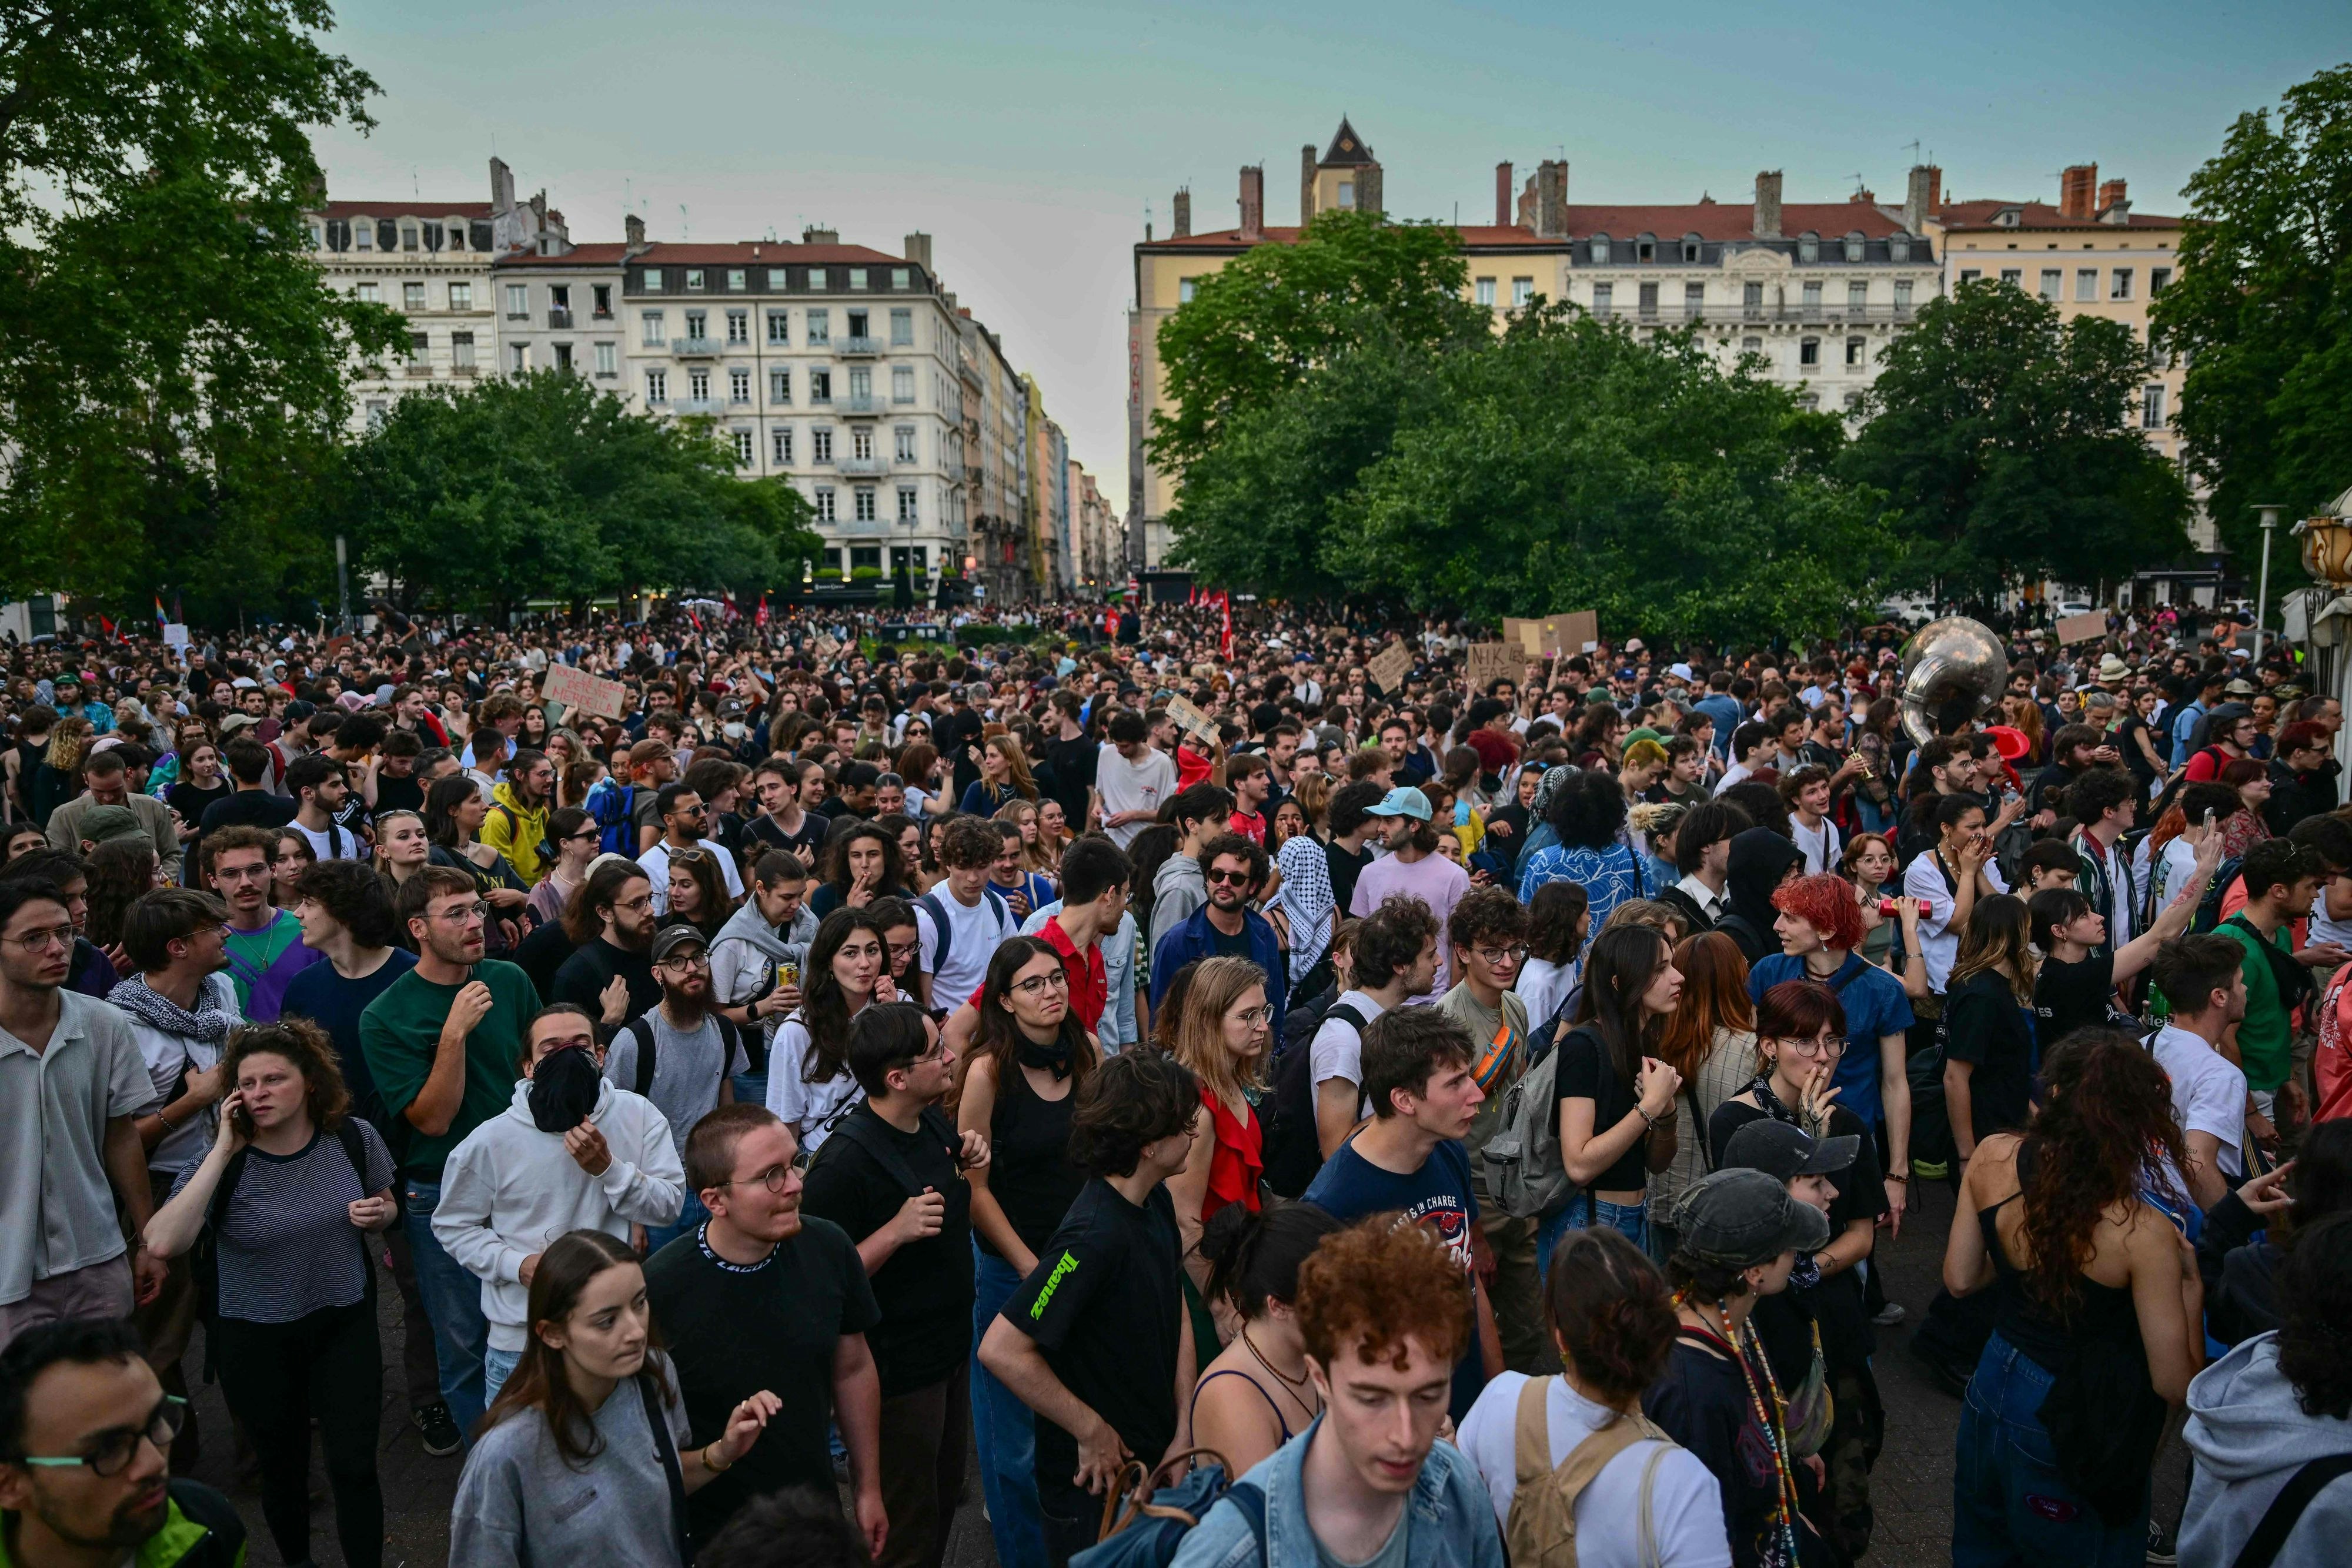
2102	1312
1029	1169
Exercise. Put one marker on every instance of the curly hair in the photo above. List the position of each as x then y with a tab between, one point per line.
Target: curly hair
306	1045
2314	1341
1487	915
1132	1100
1378	1284
1611	1314
2107	1129
1391	940
1588	809
837	874
1826	903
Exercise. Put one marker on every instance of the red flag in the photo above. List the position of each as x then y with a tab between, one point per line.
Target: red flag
1110	627
1226	600
762	619
690	615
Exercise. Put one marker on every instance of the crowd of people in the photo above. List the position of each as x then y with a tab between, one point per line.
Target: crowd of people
1418	1126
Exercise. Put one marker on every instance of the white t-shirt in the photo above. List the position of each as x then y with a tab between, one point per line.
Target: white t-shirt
2323	930
1686	1500
1738	773
2209	1094
974	932
1338	1049
807	1107
1820	845
1124	786
656	862
167	1055
1939	943
1543	984
333	844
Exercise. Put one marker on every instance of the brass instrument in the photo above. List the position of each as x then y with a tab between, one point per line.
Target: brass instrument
1953	670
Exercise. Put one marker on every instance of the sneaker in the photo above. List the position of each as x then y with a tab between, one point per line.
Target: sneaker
1887	1316
2163	1544
441	1435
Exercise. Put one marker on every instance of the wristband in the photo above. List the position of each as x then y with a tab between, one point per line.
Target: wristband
714	1469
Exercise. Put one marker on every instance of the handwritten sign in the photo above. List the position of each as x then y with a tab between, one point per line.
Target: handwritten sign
2087	627
1567	636
581	691
175	635
826	647
1490	662
1184	712
1388	667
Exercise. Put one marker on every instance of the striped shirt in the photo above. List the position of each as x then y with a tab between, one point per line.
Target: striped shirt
288	1247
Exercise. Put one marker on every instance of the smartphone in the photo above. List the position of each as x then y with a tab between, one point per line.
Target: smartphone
2210	818
241	1118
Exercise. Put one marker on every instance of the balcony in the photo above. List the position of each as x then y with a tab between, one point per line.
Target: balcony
858	348
696	348
1815	315
559	318
698	407
416	371
861	403
857	466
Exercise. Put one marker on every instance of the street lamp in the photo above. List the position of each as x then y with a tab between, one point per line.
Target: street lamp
2270	513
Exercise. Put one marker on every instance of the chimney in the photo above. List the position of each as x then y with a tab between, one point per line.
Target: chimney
1767	204
2114	207
1922	195
1179	222
1551	199
1527	205
1307	185
1864	196
1252	203
820	237
501	186
2076	184
1368	189
1503	194
919	250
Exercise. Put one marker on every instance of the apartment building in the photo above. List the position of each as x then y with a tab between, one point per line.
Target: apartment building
1051	555
996	466
1100	540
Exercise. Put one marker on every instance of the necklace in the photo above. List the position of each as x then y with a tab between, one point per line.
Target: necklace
1769	1409
1295	1386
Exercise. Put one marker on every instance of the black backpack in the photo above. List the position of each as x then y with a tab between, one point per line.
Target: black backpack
641	1029
203	1258
1293	1152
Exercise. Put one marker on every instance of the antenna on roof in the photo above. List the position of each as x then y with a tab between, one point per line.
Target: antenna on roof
684	231
413	189
1856	178
1914	145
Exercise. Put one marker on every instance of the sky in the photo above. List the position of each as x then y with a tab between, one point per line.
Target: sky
1033	140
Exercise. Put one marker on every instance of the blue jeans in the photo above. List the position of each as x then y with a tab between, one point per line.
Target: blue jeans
1004	1433
453	1306
2010	1505
1585	1212
498	1366
660	1235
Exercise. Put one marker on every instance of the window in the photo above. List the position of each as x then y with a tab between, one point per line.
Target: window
1751	299
518	301
2151	406
377	411
2053	284
608	358
412	296
736	279
694	280
861	443
2159	279
650	281
738	326
739	385
1347	195
819	279
820	386
907	513
698	325
821	443
902	328
518	358
1903	293
1649	302
363	233
866	558
408	236
902	383
780	328
366	294
1691	248
1646	248
698	386
1185	290
1809	247
420	345
2013	276
902	278
780	386
1486	286
862	505
1809	351
905	437
1812	299
1971	274
563	356
832	557
1601	250
1857	353
602	294
2086	283
777	282
558	297
825	513
861	384
1603	299
652	321
2122	287
1898	246
1854	245
1752	345
1852	401
1523	290
857	278
461	297
657	386
742	439
1693	300
461	351
820	329
780	444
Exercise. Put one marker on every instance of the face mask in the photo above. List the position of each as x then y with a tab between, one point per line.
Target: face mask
564	1088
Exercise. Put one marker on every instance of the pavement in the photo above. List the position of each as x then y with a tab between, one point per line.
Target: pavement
1912	1487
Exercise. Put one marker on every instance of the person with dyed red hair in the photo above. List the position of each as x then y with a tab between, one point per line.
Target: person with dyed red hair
1820	926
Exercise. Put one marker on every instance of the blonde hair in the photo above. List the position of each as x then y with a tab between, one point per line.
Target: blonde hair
1212	987
68	743
1016	764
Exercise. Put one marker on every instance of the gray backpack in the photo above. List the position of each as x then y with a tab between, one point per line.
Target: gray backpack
1523	1167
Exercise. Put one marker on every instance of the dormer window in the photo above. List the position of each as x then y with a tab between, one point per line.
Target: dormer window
1898	246
1853	244
1646	248
2010	217
1809	247
1601	250
1690	247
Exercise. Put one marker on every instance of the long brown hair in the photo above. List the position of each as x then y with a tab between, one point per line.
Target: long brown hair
539	1382
1217	984
1016	763
1998	939
1714	995
1000	1036
2106	1128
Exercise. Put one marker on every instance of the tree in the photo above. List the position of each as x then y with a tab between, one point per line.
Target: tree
1276	313
541	484
2260	310
1998	436
172	364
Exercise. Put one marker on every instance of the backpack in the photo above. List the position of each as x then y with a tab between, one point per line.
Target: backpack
1541	1530
204	1258
945	929
866	1137
1293	1151
641	1029
1933	1148
613	808
1525	1170
2209	906
544	850
1149	1530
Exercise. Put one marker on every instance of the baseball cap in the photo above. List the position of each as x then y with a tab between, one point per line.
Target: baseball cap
1784	1152
1402	801
670	938
1740	1219
102	825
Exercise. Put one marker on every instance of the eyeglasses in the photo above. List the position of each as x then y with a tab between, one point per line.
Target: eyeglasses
42	941
1037	985
1252	1016
110	1451
775	1178
1820	1045
690	961
899	950
1238	878
1501	955
463	914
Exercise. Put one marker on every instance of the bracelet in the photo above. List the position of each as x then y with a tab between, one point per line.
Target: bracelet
1648	1121
714	1469
1904	1178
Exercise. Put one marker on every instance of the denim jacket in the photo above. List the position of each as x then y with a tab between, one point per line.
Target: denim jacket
1453	1515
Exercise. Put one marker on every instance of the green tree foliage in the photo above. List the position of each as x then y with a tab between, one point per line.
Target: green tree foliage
172	364
541	485
1998	436
2261	309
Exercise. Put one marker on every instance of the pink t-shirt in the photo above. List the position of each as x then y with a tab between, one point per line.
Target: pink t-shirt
1433	879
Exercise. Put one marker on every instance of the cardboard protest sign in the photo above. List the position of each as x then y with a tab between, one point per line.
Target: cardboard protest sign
1389	666
1567	636
581	691
2087	627
1186	713
1492	662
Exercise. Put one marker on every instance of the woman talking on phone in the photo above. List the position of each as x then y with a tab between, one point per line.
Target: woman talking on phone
291	1192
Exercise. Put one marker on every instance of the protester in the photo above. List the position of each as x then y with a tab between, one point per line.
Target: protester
1412	867
683	1055
1258	1393
265	943
962	921
810	1085
611	971
1617	1121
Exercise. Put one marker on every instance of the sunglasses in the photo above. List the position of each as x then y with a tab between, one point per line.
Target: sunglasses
1238	878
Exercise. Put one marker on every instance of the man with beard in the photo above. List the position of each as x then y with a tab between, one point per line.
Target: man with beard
442	1043
1226	925
88	1434
681	1055
265	943
611	974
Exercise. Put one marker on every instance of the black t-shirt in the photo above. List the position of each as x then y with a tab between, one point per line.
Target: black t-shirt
541	954
2134	758
1236	946
1847	1338
1346	865
405	793
1983	1025
1070	773
1105	1307
925	1290
733	1329
1702	1401
1585	1072
2066	997
582	979
192	799
1029	1169
763	833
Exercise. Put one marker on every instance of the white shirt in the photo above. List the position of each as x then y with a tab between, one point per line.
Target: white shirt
1738	773
2323	930
1821	844
1338	1049
1922	879
1124	786
332	842
656	862
2120	929
1709	902
1541	985
975	930
1686	1500
808	1107
166	1056
2208	1093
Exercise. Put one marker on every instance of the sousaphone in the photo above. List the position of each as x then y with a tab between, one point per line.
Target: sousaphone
1953	670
